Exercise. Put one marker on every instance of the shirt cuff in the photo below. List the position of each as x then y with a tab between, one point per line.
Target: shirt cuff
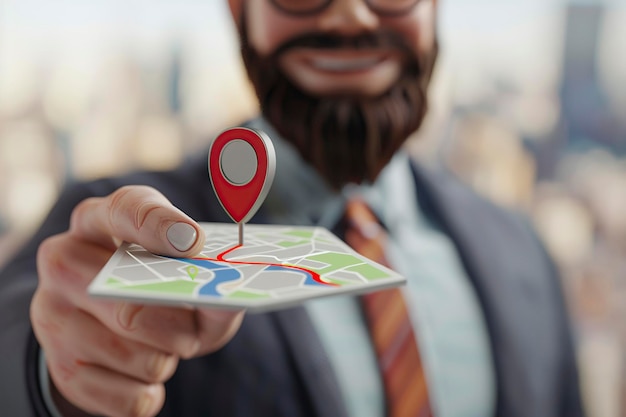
44	382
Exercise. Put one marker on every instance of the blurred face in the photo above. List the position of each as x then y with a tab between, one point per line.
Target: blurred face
343	80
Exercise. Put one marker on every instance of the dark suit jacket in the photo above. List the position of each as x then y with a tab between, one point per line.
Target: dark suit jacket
275	365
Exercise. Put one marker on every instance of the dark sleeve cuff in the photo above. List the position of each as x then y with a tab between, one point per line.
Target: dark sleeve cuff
35	386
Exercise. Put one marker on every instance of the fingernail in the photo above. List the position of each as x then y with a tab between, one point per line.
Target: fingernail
157	364
143	405
182	236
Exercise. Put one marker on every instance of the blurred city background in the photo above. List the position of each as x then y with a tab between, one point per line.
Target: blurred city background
528	107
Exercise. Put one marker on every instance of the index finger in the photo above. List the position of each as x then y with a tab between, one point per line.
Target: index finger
137	214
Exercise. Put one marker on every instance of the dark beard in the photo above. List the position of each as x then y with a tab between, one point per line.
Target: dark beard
346	138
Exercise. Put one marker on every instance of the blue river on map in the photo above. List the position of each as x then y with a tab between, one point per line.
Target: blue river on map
225	273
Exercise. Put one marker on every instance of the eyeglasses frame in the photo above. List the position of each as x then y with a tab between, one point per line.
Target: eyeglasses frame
326	3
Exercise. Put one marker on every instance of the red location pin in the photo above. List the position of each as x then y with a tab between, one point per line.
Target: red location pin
242	163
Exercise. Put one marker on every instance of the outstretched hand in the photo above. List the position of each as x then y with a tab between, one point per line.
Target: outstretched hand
112	358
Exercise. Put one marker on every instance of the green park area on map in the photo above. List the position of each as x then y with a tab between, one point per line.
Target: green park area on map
278	266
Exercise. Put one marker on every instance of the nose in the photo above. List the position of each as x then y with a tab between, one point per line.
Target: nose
348	17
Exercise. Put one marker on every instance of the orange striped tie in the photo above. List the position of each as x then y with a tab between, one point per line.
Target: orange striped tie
389	324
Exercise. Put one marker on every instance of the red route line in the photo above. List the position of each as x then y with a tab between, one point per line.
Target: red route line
316	277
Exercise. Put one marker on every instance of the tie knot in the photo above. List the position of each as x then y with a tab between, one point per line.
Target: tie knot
363	231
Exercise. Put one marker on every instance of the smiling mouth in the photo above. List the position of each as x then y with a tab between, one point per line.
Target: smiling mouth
340	64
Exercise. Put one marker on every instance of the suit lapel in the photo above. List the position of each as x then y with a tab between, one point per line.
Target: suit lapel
311	361
509	273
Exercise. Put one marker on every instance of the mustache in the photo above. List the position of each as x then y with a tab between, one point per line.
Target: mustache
366	40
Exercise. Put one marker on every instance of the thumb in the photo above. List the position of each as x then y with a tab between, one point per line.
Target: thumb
141	215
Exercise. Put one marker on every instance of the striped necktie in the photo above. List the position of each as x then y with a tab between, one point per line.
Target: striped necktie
388	322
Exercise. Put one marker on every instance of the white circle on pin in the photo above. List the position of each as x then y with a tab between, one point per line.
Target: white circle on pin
238	162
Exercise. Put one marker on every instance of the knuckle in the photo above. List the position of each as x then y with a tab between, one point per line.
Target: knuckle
142	211
117	197
42	313
117	202
47	254
50	319
55	270
80	210
135	203
128	315
63	372
53	265
118	348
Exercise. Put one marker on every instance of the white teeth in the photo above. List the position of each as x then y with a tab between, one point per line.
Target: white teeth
344	64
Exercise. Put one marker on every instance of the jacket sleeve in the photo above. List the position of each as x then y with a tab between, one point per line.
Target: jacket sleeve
19	351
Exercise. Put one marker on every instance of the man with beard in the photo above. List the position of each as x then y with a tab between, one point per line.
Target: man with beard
342	84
